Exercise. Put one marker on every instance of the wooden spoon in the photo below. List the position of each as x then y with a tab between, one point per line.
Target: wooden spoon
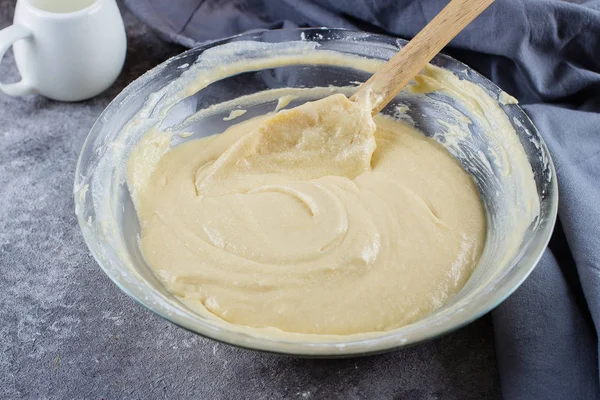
387	82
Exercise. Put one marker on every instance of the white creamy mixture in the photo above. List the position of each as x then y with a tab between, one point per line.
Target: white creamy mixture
314	220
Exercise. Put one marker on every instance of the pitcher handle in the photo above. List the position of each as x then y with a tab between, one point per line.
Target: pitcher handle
8	36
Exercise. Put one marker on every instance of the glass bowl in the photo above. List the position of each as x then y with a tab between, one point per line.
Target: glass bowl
109	223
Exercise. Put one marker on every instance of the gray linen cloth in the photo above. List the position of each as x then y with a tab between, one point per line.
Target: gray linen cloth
547	54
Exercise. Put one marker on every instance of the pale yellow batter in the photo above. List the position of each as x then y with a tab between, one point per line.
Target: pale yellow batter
316	220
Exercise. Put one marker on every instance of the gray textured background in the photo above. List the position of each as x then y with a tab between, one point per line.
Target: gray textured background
67	332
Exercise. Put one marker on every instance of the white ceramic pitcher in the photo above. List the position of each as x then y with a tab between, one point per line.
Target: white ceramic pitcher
66	50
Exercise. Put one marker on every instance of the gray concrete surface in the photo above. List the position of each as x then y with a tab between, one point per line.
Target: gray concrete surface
67	332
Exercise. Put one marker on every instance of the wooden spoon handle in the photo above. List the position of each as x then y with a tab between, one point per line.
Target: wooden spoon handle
400	69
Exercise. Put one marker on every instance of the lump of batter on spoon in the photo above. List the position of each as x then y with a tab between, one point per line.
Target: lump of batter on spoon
331	136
